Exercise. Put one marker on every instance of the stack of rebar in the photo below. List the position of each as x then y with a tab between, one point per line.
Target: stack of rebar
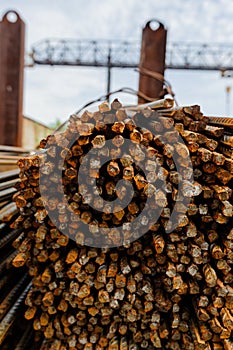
15	332
110	276
9	156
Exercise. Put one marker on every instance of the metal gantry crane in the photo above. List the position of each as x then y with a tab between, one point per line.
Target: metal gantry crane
126	54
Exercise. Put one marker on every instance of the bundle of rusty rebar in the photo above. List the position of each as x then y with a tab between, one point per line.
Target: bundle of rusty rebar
15	332
170	288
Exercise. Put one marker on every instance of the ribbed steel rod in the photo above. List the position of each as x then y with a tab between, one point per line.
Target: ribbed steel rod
9	319
12	296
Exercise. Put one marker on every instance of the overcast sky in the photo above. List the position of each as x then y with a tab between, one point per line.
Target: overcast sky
52	92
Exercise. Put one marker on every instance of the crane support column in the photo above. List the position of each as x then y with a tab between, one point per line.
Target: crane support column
153	50
109	74
12	34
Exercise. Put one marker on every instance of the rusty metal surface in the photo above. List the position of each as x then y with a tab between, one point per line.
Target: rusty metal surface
11	83
153	49
222	121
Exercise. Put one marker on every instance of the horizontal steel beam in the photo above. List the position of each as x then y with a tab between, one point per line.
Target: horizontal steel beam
126	54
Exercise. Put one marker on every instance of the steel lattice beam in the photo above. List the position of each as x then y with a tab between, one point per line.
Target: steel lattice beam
125	54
